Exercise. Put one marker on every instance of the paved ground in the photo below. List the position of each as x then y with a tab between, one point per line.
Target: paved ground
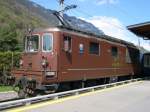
131	98
7	95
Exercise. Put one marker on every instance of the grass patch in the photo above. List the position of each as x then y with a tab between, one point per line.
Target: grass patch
6	88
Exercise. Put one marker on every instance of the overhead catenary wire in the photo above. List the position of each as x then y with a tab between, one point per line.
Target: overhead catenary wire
89	15
81	11
132	17
123	11
107	22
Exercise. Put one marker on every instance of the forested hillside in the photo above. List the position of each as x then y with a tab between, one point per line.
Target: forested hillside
15	17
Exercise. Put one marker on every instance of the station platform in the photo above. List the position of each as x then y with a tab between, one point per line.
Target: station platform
133	97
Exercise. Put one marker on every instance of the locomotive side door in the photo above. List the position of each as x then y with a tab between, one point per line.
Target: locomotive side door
49	56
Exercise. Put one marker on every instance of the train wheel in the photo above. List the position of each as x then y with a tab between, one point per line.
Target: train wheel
22	93
20	87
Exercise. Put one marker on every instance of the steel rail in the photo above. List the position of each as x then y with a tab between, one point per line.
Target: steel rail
28	101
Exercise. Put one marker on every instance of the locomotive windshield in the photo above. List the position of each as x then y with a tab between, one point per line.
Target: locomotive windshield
47	42
32	43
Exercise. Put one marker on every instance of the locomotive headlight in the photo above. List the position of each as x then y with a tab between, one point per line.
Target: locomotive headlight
21	62
44	62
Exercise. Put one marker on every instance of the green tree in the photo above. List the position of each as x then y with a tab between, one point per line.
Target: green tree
8	40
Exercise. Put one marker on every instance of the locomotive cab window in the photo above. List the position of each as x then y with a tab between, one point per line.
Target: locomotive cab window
128	57
94	48
114	52
67	41
47	42
32	43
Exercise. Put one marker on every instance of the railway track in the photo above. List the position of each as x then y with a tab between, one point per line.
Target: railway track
7	100
28	101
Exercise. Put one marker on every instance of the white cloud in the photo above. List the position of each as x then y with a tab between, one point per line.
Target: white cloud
145	44
113	27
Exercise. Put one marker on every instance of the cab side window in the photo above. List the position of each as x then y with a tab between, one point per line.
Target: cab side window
114	52
94	48
147	61
128	57
67	44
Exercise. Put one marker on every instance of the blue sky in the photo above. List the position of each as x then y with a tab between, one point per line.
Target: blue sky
112	16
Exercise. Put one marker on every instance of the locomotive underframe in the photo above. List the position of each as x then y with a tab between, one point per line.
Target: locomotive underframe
29	85
32	82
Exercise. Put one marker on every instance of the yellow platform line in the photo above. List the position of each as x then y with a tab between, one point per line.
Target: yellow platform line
38	105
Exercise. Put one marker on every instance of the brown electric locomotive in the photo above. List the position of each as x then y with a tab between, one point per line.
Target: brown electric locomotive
63	58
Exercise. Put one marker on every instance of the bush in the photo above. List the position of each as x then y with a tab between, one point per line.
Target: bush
9	60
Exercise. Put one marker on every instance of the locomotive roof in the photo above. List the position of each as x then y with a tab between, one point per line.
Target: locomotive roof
106	37
80	26
56	19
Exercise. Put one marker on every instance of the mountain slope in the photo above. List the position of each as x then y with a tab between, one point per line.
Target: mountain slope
14	20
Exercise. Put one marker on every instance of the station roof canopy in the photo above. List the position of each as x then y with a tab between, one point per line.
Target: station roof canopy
141	29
